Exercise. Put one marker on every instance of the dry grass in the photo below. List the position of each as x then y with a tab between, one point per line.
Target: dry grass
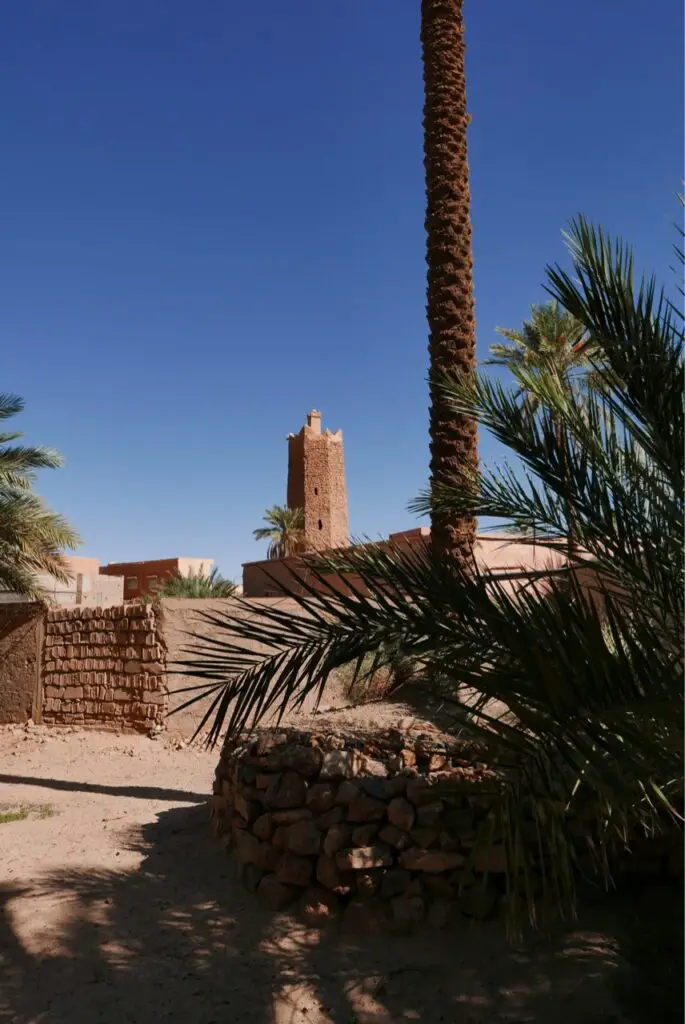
21	812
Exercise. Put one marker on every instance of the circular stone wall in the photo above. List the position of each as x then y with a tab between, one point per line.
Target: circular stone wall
382	828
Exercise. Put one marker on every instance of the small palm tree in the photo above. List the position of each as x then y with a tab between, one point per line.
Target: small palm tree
284	531
32	537
196	584
552	339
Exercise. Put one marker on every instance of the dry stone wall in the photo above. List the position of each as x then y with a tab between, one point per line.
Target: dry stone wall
392	830
104	667
383	829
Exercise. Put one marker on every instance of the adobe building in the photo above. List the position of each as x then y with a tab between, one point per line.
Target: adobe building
143	578
85	587
316	483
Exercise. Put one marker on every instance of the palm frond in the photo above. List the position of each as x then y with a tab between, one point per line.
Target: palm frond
585	655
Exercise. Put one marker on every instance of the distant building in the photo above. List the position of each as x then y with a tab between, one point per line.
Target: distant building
316	484
86	587
143	578
494	553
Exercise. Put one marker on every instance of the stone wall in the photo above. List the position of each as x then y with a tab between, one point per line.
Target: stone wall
383	829
392	830
21	630
104	667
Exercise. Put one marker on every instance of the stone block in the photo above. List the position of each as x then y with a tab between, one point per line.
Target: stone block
401	813
330	877
292	816
275	895
394	882
293	869
365	808
321	797
263	827
434	861
246	806
372	767
286	791
425	837
362	858
367	883
347	792
304	838
428	815
340	764
332	817
306	761
394	836
337	838
363	834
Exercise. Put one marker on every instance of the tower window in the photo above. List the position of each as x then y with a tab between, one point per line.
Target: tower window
316	490
320	525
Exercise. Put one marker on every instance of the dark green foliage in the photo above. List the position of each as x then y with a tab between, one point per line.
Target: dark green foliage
578	669
196	584
32	537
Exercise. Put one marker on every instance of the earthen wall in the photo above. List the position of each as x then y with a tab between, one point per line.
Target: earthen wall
104	667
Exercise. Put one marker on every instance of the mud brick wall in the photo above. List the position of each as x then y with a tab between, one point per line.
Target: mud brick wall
104	667
392	831
21	638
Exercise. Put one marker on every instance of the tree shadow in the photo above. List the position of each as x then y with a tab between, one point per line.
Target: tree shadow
137	792
179	939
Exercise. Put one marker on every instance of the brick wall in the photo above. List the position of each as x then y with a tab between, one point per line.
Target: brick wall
104	667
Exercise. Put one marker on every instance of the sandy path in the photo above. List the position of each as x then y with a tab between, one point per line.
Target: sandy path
119	909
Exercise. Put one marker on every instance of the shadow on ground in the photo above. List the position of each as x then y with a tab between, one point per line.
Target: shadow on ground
71	786
180	940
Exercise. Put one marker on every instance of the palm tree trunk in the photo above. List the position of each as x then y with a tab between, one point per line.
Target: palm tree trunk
449	306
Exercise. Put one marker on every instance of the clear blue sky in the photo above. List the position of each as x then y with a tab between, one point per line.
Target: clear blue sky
212	220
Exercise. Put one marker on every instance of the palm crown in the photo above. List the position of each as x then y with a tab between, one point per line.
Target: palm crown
32	537
197	585
284	531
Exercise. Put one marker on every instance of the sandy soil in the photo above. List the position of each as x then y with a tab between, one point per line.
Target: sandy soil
120	909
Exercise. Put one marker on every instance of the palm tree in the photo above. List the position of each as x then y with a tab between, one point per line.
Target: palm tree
32	537
589	665
449	306
196	584
551	338
284	531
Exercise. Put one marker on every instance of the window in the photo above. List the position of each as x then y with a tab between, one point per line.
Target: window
316	490
320	525
152	582
131	582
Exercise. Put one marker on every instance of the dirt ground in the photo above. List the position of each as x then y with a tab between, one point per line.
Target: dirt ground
120	909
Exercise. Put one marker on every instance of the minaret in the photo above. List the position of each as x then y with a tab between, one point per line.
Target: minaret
316	483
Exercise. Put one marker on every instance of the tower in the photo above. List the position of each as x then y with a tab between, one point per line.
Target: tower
316	483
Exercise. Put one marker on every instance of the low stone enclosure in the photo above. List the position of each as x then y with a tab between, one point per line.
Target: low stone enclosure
384	829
